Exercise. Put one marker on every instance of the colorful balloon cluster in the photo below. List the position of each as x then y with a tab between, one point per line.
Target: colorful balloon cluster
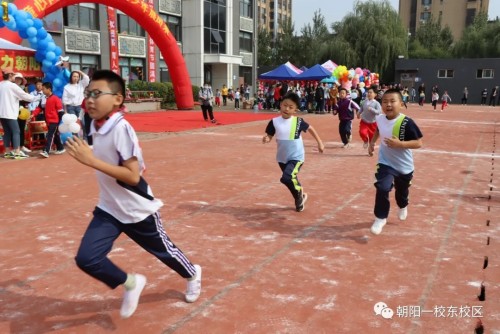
353	77
47	53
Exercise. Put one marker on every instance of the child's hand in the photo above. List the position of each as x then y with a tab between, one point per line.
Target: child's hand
321	147
393	142
266	139
79	150
371	149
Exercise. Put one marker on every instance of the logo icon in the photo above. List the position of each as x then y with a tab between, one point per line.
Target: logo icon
382	309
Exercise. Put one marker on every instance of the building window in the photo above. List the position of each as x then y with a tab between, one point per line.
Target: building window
127	26
469	16
214	22
83	16
174	24
246	8
425	16
445	73
426	2
245	41
132	69
485	74
85	63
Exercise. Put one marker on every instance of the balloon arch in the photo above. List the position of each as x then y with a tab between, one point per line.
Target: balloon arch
28	25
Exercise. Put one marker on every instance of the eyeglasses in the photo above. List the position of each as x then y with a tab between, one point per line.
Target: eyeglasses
95	94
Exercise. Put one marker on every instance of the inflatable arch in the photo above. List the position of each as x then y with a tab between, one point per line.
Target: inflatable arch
146	16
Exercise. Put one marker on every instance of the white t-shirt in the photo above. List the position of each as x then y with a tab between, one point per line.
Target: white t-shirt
114	143
288	136
73	93
403	127
10	95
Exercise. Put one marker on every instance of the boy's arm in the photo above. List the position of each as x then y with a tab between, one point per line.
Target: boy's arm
394	142
128	172
315	135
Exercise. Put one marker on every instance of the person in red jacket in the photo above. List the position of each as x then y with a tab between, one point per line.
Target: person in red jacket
53	106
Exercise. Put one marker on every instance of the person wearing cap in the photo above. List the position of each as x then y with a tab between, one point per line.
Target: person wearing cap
10	96
72	97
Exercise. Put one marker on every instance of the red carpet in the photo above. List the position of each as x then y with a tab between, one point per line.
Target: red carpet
176	121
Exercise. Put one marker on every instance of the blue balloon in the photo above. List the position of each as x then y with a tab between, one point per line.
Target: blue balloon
29	22
58	51
12	8
57	83
46	63
37	23
65	136
31	32
42	44
50	55
41	33
11	24
23	34
51	46
2	24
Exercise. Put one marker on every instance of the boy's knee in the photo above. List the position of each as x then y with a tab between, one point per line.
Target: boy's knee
383	186
285	180
85	262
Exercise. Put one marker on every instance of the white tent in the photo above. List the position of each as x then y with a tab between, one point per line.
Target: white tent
7	45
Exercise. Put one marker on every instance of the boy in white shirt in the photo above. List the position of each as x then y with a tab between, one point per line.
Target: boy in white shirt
126	202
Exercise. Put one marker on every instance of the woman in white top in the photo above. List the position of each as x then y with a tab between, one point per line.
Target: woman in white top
72	97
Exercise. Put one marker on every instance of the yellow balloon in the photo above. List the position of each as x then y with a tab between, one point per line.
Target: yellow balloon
24	114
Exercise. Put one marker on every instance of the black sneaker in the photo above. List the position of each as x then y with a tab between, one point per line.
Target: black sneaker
300	203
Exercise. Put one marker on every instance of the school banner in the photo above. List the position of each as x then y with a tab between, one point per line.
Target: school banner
20	61
113	41
151	53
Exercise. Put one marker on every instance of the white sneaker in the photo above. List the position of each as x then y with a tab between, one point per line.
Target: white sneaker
403	213
25	149
60	152
378	225
194	286
44	154
131	297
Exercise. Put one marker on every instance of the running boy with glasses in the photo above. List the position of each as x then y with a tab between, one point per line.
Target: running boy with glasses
126	202
287	128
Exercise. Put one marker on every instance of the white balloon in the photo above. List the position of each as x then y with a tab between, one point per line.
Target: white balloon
66	119
63	128
74	127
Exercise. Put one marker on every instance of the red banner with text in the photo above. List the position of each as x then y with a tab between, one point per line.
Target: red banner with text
114	64
20	61
151	53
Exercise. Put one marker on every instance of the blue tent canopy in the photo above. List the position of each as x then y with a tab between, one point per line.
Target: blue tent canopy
303	68
317	72
282	72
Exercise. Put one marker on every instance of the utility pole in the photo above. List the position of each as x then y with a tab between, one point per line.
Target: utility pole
255	64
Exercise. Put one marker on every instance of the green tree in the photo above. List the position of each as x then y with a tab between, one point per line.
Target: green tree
432	41
480	40
265	47
315	38
372	36
286	47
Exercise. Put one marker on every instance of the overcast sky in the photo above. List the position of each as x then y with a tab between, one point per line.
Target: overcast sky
335	10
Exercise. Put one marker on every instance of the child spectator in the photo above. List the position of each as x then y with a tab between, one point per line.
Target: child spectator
237	96
290	154
218	96
53	106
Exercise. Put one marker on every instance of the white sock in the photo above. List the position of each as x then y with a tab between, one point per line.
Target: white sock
130	282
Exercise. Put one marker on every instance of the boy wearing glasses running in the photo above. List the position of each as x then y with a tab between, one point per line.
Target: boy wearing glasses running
287	129
126	202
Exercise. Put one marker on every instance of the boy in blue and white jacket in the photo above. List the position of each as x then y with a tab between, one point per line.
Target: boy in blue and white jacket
290	155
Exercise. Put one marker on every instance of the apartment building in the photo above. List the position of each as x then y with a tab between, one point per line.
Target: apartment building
456	14
272	14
